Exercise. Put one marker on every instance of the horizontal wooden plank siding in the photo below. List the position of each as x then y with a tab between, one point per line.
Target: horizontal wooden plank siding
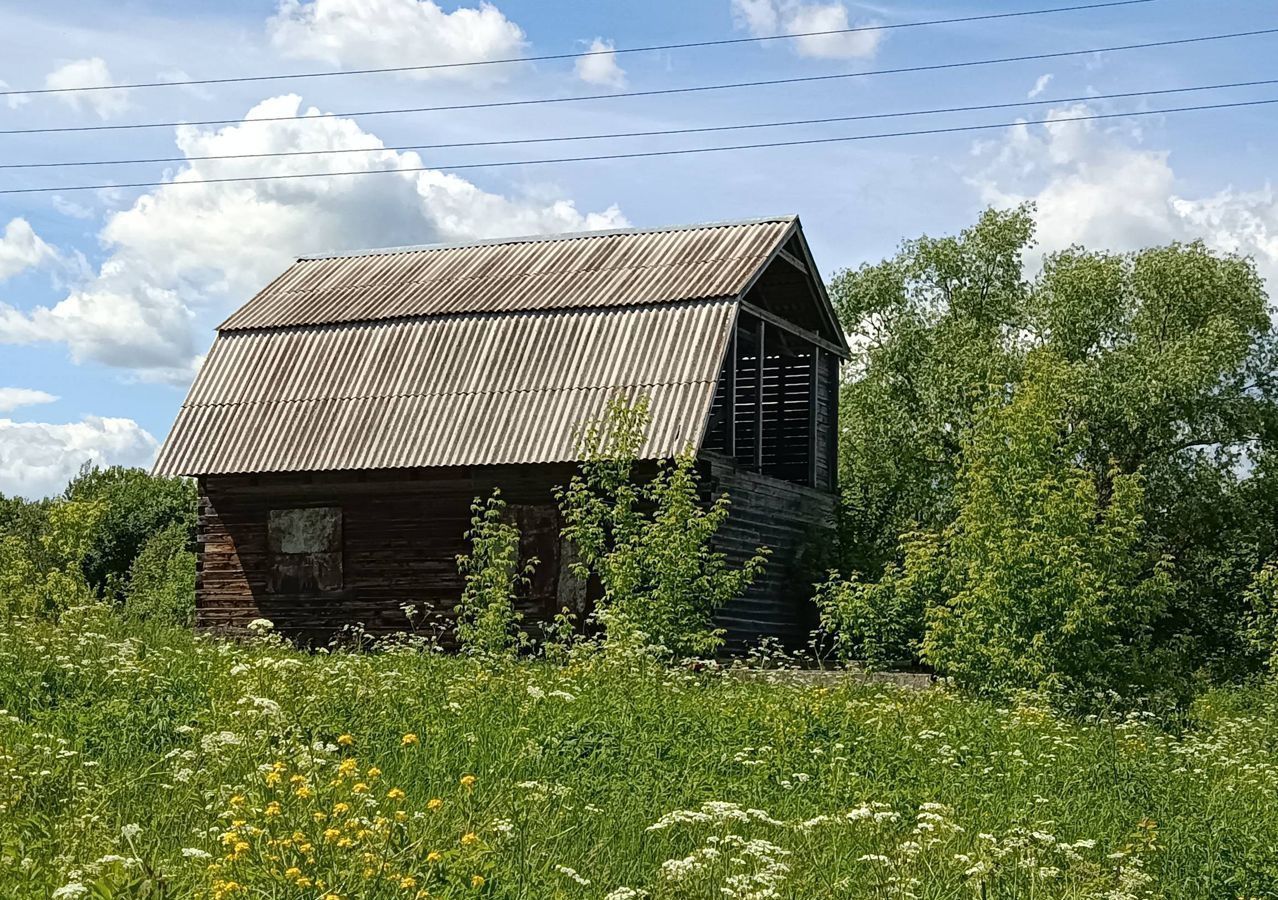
797	523
402	533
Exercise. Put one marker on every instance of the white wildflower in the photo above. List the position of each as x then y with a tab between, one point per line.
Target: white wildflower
572	875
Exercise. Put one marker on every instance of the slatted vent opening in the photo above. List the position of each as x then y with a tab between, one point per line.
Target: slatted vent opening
781	393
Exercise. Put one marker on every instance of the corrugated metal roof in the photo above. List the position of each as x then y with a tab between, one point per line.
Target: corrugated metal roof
603	269
454	390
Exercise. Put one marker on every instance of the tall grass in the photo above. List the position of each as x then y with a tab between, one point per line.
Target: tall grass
138	760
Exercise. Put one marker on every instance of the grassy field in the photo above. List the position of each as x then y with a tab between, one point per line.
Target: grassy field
156	764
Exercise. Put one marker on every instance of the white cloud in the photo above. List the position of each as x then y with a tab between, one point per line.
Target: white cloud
70	208
38	459
13	101
1100	187
764	18
383	33
91	72
1039	86
184	252
21	249
11	398
601	68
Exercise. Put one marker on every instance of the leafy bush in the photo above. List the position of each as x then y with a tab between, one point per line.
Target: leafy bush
1047	585
43	546
161	584
1262	618
135	506
1042	581
649	543
880	623
487	620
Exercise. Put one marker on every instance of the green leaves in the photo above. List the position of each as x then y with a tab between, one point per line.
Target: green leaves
487	620
1120	401
1047	584
649	542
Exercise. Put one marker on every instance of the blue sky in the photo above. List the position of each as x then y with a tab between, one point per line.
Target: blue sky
108	297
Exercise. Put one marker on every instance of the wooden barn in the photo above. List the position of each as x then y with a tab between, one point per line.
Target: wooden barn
347	415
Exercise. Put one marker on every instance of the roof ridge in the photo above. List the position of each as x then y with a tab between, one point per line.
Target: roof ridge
545	237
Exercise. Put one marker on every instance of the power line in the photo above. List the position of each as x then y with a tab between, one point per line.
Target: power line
935	67
665	132
640	154
562	56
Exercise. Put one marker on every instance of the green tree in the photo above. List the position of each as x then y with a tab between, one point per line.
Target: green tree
1171	355
930	332
650	543
136	505
1046	583
161	585
43	545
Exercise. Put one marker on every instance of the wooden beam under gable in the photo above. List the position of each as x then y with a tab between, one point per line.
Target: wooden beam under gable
793	260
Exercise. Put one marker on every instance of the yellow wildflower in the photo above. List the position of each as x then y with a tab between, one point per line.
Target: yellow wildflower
319	815
272	778
469	838
408	740
434	856
304	791
347	767
374	772
341	808
272	809
331	834
468	781
346	740
359	787
408	882
435	804
237	800
477	881
395	794
292	872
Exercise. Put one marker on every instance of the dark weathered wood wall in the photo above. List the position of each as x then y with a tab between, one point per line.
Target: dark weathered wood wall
797	523
401	533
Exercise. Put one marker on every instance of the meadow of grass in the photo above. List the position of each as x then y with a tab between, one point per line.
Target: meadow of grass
143	761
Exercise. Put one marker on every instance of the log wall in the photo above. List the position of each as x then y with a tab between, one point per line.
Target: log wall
401	533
